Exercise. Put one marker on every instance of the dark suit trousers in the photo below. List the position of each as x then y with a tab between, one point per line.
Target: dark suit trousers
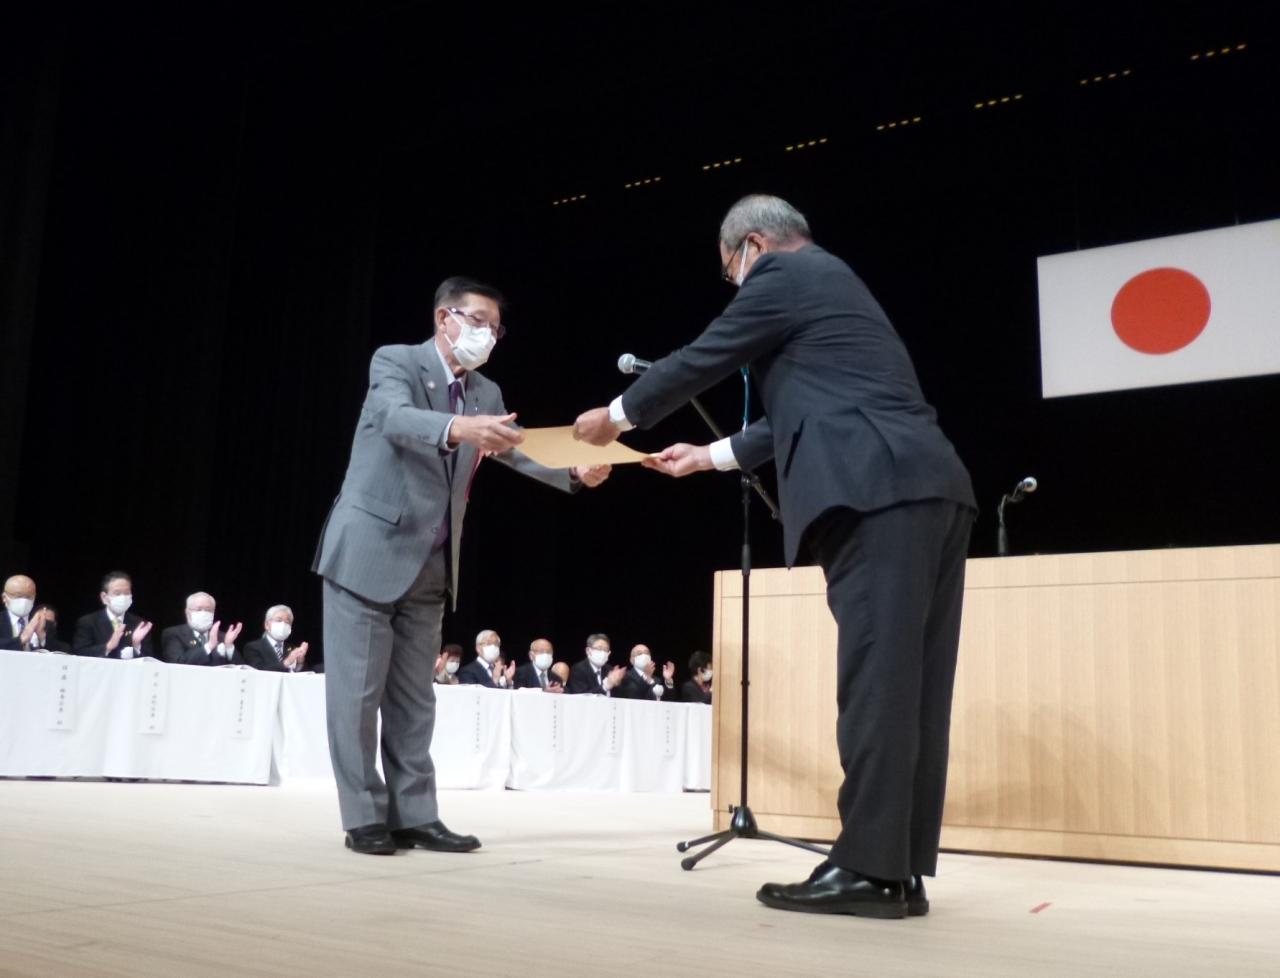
382	657
895	583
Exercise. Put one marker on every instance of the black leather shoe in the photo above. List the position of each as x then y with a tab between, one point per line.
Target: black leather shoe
372	840
436	837
830	889
917	902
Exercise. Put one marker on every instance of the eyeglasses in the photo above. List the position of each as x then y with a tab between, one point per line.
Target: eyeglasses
497	329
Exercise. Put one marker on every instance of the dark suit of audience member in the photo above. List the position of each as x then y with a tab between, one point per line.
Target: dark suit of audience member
10	634
183	645
694	692
262	654
93	632
637	686
477	673
528	677
586	678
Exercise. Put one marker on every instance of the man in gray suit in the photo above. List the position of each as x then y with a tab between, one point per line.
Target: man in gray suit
872	490
389	556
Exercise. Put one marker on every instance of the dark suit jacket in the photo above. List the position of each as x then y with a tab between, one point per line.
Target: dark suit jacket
691	692
261	655
582	678
8	640
477	673
527	677
845	420
636	687
179	644
93	631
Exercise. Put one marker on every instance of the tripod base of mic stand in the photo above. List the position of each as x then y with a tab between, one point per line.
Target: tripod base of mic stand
743	826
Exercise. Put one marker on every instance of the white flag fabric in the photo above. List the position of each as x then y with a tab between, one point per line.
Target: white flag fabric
1190	307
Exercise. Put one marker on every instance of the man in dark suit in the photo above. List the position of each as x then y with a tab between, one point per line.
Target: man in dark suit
389	555
24	625
593	674
271	652
638	682
483	669
698	688
200	641
536	673
113	632
873	490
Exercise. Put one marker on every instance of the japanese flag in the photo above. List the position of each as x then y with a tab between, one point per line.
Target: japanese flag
1203	306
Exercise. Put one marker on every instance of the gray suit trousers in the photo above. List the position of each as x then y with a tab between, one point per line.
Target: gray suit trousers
381	657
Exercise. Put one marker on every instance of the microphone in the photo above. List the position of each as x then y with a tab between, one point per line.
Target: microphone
629	363
1027	485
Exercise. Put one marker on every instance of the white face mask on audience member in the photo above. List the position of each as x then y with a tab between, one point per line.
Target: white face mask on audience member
279	623
488	646
201	621
281	630
642	661
452	666
21	607
542	661
118	597
598	657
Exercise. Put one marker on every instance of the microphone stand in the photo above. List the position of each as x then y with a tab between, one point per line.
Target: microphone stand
744	824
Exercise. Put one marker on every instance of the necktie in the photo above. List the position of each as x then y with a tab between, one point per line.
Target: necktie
279	646
542	678
456	404
456	398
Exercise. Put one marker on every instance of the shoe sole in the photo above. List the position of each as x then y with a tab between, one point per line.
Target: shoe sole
880	911
418	845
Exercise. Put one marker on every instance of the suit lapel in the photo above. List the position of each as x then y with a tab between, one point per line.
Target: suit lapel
435	385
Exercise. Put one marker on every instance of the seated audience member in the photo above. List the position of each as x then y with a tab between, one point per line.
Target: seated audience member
272	652
698	689
536	673
593	674
448	663
479	671
113	632
639	684
22	627
197	643
50	641
561	671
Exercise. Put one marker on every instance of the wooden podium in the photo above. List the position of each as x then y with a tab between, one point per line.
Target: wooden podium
1110	706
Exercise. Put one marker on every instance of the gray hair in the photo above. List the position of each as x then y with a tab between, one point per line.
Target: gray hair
276	609
771	216
481	635
199	594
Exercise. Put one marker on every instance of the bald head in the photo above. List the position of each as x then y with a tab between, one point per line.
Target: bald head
20	586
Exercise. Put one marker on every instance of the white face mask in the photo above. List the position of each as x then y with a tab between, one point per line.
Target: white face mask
742	266
201	621
20	606
542	660
490	653
451	666
473	346
280	630
642	661
706	675
120	603
598	657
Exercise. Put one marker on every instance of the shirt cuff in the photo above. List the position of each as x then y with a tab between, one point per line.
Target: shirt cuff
619	416
444	436
722	456
128	652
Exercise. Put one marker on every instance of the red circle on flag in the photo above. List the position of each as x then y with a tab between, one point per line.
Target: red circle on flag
1160	310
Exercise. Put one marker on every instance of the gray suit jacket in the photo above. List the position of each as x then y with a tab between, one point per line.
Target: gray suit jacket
844	420
402	481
